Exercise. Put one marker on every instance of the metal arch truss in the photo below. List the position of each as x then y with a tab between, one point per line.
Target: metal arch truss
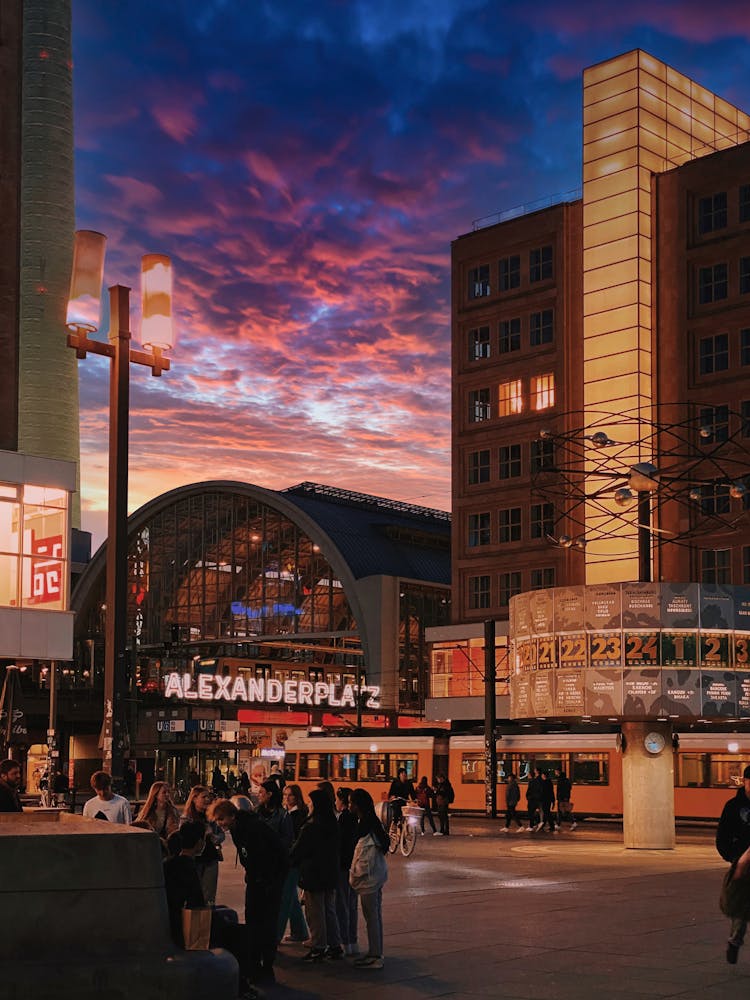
699	464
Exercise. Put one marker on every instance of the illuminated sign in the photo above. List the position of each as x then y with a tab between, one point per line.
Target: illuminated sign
46	573
215	687
245	611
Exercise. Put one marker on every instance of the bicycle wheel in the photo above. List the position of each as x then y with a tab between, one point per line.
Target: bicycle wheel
408	839
394	833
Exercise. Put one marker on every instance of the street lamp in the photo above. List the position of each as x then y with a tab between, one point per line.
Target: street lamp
156	337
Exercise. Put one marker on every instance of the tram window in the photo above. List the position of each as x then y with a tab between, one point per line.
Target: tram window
524	766
551	762
726	770
409	763
313	766
290	767
504	768
472	769
343	767
589	768
372	767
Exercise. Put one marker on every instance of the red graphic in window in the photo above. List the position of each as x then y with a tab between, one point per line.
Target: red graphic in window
46	574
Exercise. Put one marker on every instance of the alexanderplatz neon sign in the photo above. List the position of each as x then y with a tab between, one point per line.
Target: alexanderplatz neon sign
216	687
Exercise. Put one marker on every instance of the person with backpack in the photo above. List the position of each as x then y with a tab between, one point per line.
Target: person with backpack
425	796
444	796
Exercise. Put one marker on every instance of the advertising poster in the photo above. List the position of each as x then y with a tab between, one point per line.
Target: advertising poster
526	655
520	697
642	693
743	695
603	692
603	607
717	606
541	611
680	605
719	691
520	621
572	650
742	608
641	649
679	649
605	649
570	610
546	653
741	652
569	692
641	605
714	650
681	692
541	694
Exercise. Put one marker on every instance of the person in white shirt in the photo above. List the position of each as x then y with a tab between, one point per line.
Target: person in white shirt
105	804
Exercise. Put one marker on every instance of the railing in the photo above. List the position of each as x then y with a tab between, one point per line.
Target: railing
531	206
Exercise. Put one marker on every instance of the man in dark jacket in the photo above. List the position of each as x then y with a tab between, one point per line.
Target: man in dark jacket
534	800
732	840
10	782
548	802
512	798
265	861
444	796
564	807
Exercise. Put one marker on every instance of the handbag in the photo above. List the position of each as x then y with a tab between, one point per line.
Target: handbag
734	899
196	928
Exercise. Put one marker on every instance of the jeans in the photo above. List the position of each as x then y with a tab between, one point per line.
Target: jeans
511	816
427	815
291	909
320	906
372	910
445	823
262	901
346	909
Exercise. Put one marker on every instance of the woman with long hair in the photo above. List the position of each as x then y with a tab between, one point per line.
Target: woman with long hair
291	911
207	862
368	875
346	897
159	813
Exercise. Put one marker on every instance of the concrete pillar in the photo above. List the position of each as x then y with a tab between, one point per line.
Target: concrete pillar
647	787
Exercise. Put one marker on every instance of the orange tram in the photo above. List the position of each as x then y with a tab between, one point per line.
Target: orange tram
707	766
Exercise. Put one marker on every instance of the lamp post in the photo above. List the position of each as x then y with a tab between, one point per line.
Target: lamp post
156	337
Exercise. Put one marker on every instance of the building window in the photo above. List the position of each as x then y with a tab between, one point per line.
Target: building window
510	525
510	585
744	275
541	330
479	592
479	529
541	579
540	264
479	467
542	520
510	398
34	530
510	461
542	391
479	405
510	273
716	566
745	203
746	563
715	500
510	335
745	347
479	343
479	281
714	354
542	455
714	423
745	414
712	283
712	212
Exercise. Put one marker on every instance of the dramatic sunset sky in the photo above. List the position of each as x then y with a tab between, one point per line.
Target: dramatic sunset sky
306	163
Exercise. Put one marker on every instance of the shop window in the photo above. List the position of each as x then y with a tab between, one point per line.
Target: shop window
714	354
712	283
510	273
712	213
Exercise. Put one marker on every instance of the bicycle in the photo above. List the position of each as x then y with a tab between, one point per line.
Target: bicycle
403	831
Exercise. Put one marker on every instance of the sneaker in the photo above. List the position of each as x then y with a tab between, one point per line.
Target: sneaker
334	953
437	833
291	939
573	826
504	829
370	962
733	951
314	955
538	827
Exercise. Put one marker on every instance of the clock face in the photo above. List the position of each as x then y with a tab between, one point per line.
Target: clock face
654	742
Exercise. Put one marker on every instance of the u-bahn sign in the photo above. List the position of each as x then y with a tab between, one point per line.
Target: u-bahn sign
216	687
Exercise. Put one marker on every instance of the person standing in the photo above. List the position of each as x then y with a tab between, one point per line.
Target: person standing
534	800
291	908
512	798
346	897
368	875
207	862
548	802
159	813
444	796
733	843
425	796
564	805
105	804
10	782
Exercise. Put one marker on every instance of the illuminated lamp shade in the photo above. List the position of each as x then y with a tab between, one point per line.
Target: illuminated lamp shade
644	477
624	496
737	491
565	541
86	281
600	439
156	302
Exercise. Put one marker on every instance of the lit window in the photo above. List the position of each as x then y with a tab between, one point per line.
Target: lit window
745	203
541	330
542	391
510	525
714	354
479	405
510	398
510	585
479	343
712	212
542	522
744	275
479	466
714	420
510	335
510	273
510	461
479	281
541	579
479	529
540	264
712	283
479	592
716	566
542	455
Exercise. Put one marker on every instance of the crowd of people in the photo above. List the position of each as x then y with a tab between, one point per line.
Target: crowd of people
541	796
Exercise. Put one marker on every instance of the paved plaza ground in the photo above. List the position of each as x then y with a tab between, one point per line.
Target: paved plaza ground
535	916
